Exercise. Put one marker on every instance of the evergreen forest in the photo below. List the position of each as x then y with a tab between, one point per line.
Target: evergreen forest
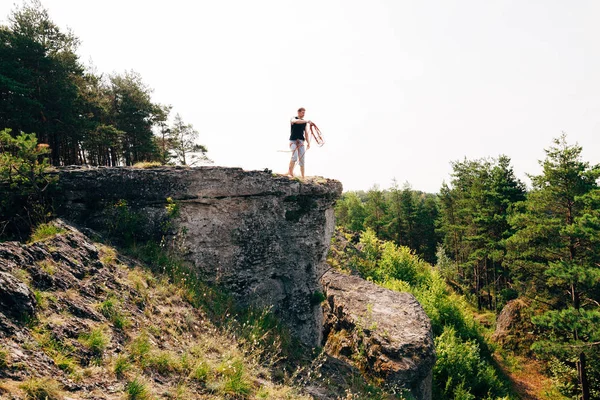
494	243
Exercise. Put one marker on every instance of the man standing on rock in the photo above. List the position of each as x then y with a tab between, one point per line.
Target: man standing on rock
299	134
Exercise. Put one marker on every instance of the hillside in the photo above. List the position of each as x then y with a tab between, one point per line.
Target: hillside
81	320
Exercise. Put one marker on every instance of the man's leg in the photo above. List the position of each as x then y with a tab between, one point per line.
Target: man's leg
301	154
291	168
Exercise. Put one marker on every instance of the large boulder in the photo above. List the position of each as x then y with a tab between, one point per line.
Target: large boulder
17	302
385	333
514	329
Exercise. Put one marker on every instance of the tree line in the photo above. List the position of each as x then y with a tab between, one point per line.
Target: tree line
494	240
83	116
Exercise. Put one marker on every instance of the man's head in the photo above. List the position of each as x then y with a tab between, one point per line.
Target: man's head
301	112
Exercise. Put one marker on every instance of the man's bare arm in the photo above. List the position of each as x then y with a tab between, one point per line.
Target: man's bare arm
307	136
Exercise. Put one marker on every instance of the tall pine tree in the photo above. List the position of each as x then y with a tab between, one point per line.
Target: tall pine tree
555	257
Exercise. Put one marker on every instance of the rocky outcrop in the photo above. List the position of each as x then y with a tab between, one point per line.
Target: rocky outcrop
17	303
388	329
514	329
264	237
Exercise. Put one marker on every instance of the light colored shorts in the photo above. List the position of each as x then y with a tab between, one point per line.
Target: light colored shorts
298	150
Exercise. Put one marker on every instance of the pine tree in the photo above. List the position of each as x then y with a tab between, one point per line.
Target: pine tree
555	256
183	141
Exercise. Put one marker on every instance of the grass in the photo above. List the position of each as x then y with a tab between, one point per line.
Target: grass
235	381
96	341
200	372
21	275
111	309
65	363
3	359
137	389
163	362
48	267
41	389
45	231
108	255
122	365
147	164
60	352
259	331
139	347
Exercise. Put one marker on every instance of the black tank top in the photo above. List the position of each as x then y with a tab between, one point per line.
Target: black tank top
297	131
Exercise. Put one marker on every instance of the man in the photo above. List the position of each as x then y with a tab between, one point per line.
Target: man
299	134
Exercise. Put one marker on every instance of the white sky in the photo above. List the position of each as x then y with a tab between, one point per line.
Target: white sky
399	88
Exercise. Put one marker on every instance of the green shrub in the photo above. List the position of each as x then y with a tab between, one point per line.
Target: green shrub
397	263
461	371
26	189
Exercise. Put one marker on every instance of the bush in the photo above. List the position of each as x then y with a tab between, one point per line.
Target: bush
461	371
397	263
464	368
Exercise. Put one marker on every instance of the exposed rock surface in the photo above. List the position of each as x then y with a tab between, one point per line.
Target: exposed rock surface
513	324
264	237
388	329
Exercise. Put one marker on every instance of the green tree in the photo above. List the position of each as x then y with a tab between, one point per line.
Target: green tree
37	81
350	212
474	223
134	113
183	141
554	252
376	211
23	183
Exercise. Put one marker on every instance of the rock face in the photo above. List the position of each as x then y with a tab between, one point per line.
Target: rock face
513	324
263	237
389	329
16	301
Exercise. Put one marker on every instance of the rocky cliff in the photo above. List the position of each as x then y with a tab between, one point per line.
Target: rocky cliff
263	237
